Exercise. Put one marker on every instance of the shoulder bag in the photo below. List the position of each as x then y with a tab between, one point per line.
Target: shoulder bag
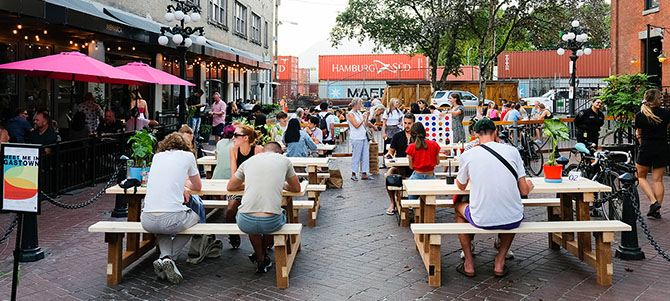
504	162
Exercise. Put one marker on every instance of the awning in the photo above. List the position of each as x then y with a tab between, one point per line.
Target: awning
81	6
133	20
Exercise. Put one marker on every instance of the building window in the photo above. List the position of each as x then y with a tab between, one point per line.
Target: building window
193	2
265	34
240	19
649	4
217	11
255	28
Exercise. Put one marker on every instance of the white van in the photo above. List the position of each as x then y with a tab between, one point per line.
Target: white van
441	98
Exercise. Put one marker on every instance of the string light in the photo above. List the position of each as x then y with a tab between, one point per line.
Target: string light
119	48
108	49
15	31
76	45
25	37
37	38
71	42
45	31
133	48
19	26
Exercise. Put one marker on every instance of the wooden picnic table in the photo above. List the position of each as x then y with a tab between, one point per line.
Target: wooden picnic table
209	162
404	161
581	191
136	248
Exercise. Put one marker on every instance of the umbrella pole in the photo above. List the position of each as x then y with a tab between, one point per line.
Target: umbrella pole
182	88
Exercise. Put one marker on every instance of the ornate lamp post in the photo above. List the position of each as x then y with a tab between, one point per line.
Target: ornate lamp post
575	40
184	13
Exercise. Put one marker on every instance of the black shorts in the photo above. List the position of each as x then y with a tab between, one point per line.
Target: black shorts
218	130
653	155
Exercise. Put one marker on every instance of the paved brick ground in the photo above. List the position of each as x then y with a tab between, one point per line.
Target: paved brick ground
355	252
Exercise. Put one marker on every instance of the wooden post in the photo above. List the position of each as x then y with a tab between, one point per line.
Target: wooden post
134	211
313	195
604	268
114	257
566	215
583	214
281	261
434	265
553	214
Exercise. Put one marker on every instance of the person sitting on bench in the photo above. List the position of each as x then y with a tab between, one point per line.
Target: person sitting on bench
495	203
164	213
262	178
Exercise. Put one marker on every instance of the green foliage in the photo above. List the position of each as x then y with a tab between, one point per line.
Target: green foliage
99	97
270	129
205	129
191	111
143	147
271	109
556	130
623	97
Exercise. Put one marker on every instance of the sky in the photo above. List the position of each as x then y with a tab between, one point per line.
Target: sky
310	37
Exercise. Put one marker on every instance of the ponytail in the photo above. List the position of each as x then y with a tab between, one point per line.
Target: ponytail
652	98
418	133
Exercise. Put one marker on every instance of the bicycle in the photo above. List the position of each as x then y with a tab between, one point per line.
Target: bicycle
604	167
531	153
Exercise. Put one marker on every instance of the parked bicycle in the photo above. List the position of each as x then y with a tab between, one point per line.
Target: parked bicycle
604	167
530	151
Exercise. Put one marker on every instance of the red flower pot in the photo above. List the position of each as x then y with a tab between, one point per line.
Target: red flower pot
552	174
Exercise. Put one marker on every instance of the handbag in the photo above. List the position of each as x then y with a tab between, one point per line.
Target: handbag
504	162
394	180
368	134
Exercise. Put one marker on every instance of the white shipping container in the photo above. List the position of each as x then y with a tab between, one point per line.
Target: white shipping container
350	89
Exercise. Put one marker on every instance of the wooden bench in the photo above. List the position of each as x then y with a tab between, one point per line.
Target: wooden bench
555	203
286	245
322	176
312	205
600	259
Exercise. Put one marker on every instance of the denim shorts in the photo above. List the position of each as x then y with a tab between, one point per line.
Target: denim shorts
418	176
510	226
251	224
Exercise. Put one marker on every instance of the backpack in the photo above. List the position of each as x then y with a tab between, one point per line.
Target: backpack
323	125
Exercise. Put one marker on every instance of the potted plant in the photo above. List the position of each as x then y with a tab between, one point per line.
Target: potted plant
623	97
205	132
143	148
554	129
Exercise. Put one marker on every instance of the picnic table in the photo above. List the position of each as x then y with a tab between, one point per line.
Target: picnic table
209	162
581	191
136	247
404	162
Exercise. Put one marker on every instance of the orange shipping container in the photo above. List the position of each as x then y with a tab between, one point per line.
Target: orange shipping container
287	67
548	64
372	67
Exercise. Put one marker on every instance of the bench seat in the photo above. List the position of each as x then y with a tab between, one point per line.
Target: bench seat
320	175
286	245
428	242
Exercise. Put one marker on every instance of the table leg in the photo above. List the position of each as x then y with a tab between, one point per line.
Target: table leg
566	215
313	179
208	171
583	214
288	207
114	257
553	214
134	211
428	217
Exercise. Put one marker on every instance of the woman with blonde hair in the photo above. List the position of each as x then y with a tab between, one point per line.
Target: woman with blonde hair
391	122
165	214
360	147
136	100
651	129
244	146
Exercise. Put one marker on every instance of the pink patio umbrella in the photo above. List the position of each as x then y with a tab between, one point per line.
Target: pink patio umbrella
152	75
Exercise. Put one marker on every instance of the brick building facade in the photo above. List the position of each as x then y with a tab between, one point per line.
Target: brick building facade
629	38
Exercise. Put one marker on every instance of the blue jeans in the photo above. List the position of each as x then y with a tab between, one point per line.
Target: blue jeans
252	224
195	203
194	124
417	176
360	156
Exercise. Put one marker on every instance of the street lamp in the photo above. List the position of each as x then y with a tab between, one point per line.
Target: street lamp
576	40
181	35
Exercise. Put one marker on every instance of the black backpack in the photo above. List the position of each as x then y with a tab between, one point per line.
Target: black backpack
323	125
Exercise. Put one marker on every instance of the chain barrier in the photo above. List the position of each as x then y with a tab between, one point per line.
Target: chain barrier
645	228
58	203
10	229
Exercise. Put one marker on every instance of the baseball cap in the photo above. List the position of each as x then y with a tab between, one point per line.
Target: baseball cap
484	124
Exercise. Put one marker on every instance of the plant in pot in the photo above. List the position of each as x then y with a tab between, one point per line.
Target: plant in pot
205	132
623	97
556	130
143	148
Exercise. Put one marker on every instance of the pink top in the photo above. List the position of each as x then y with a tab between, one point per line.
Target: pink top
493	113
219	106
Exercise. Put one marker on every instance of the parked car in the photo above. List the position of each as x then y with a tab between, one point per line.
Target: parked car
548	98
441	98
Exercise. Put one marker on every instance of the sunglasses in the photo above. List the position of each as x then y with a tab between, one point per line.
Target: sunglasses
238	135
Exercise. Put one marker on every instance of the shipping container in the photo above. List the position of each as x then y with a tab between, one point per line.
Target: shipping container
548	64
349	89
313	89
287	89
467	73
287	67
372	67
303	81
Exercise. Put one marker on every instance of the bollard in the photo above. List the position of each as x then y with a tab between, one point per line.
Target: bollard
120	206
629	248
30	249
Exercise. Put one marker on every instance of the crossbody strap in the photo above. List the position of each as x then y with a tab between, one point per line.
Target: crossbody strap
509	167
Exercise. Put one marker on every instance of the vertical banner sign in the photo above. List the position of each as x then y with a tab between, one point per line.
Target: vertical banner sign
20	178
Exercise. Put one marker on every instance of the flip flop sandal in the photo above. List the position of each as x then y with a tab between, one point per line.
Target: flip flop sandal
390	212
461	269
504	272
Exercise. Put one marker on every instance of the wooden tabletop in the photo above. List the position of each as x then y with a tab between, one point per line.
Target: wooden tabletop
440	187
296	161
209	187
452	146
405	162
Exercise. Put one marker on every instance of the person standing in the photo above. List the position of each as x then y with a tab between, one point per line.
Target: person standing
165	214
141	104
194	104
18	126
91	111
423	107
392	121
329	131
492	112
588	123
218	113
397	149
262	178
651	130
494	203
457	114
360	148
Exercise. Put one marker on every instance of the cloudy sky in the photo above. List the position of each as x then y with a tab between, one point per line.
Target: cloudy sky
309	38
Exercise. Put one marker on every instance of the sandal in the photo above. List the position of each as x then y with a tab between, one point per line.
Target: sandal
390	212
461	269
504	272
354	178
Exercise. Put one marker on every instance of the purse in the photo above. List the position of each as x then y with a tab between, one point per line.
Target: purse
394	180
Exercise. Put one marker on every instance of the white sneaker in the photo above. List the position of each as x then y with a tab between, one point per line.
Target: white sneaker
509	255
171	271
472	250
158	269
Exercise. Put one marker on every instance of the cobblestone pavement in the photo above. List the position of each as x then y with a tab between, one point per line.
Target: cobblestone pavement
355	252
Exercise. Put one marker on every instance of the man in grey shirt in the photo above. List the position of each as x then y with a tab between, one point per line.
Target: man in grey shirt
262	178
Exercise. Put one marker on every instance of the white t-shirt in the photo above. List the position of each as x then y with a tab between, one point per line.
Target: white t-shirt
165	186
494	193
329	121
318	134
132	125
264	175
393	118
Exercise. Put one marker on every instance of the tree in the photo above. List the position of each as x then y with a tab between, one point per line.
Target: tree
430	27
